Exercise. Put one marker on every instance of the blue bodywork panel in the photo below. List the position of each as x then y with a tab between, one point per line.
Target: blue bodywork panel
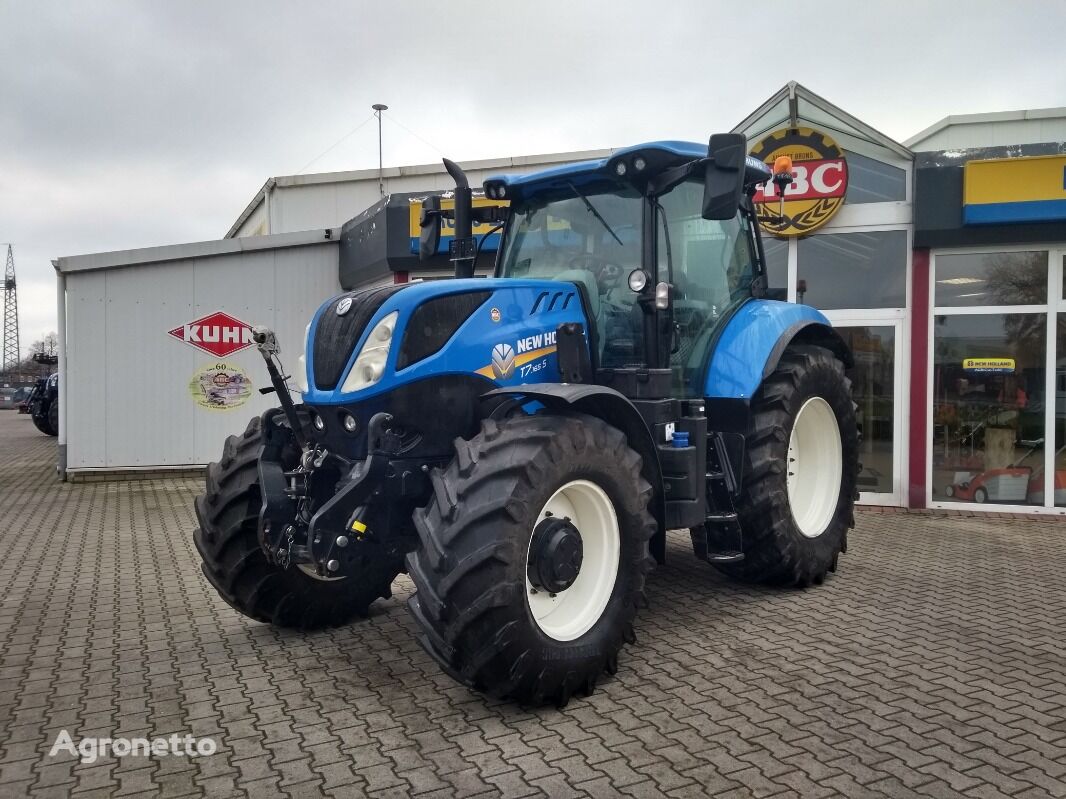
529	181
525	338
738	363
584	171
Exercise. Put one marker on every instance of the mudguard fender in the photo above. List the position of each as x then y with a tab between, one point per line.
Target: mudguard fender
755	338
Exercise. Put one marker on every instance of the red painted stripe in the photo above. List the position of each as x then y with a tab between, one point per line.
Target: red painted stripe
919	392
811	180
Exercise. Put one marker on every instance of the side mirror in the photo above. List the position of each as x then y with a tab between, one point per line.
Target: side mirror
723	181
429	228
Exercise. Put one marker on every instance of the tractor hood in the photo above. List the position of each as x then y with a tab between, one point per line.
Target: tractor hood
363	344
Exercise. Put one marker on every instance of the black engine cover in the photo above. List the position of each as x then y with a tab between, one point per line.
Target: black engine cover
336	336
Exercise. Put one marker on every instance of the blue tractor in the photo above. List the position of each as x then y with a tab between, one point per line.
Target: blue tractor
520	445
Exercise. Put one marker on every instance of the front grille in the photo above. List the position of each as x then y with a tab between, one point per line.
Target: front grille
434	322
336	336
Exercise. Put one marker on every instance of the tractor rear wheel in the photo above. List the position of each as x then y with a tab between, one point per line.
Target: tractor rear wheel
53	418
532	558
801	471
235	564
40	421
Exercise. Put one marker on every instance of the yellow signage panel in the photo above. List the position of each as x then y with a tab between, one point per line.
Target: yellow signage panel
448	225
1002	190
988	364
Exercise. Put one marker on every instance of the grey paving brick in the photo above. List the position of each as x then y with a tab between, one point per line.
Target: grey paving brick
930	665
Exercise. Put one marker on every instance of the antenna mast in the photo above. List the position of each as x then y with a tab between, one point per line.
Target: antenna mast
11	316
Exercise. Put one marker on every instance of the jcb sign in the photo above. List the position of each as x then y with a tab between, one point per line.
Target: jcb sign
819	181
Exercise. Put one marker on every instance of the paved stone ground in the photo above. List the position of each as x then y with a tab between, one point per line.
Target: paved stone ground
933	664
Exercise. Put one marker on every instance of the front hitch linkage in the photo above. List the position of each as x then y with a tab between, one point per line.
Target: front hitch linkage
267	344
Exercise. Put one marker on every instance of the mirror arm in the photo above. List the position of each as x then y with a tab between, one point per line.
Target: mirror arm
671	178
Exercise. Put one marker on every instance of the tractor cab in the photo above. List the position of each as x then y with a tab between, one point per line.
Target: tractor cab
660	239
657	274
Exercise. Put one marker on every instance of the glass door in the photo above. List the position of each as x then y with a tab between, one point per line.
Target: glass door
877	386
997	415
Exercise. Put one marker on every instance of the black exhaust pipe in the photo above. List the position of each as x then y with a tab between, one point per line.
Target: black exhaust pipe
463	248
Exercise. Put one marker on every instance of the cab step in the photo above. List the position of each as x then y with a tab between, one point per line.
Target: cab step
722	517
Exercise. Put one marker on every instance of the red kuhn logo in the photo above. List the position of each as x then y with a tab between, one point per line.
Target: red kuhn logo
218	333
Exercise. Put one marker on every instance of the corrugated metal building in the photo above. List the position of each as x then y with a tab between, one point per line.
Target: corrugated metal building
329	199
132	394
997	129
130	389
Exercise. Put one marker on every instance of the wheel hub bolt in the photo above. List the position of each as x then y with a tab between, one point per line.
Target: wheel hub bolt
555	555
342	541
333	565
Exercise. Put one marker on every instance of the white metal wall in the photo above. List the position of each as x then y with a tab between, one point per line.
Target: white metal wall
994	133
128	401
320	205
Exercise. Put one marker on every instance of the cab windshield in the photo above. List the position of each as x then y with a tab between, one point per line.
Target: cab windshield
594	240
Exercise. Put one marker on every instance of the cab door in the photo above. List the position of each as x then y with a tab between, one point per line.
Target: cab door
711	264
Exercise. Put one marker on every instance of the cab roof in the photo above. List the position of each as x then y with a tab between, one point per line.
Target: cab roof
600	175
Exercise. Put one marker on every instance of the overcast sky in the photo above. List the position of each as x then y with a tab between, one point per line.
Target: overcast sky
132	124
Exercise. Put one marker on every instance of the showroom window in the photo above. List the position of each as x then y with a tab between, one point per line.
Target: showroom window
853	270
997	391
991	278
873	181
776	253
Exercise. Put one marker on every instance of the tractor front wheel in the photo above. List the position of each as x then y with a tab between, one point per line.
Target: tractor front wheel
534	549
235	564
53	418
801	471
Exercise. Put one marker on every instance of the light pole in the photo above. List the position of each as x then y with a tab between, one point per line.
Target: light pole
378	108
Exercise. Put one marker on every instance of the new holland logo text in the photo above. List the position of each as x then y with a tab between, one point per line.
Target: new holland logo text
506	361
218	334
530	343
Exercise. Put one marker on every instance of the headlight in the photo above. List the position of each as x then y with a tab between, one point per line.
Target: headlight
369	366
301	378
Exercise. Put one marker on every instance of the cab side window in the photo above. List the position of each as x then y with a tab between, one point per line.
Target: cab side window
713	265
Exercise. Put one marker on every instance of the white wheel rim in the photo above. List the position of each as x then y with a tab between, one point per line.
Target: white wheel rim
571	613
815	464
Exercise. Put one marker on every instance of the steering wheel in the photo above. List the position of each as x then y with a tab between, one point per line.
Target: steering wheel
608	273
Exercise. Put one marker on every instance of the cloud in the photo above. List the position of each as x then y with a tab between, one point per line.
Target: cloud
142	122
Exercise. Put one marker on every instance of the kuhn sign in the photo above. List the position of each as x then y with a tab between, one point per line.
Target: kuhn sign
219	334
